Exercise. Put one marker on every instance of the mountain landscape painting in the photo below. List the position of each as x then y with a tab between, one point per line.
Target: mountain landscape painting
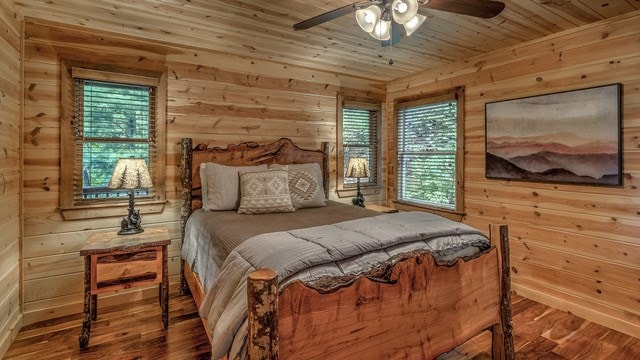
568	137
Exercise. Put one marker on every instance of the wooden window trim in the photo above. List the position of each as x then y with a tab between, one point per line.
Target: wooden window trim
74	69
349	190
459	95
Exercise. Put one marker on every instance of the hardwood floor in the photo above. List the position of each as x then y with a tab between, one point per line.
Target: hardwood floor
134	331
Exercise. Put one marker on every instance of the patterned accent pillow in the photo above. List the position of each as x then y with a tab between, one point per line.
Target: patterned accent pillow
305	184
264	192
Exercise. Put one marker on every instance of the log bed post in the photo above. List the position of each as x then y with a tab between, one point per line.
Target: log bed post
502	347
325	168
185	209
262	296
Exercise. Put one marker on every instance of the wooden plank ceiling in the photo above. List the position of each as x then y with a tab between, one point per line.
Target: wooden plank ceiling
263	29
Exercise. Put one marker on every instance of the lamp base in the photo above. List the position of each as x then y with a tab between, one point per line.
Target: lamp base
131	224
130	231
359	199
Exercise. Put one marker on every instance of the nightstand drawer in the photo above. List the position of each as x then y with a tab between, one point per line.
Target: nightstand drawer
122	270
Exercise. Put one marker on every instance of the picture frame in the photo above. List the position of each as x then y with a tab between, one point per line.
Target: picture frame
565	137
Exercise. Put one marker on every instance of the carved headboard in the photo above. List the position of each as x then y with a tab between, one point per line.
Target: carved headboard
282	151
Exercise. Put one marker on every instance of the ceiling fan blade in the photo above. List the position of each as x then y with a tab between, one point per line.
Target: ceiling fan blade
329	15
479	8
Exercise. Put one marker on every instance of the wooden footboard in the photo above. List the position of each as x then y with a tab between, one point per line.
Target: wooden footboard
419	310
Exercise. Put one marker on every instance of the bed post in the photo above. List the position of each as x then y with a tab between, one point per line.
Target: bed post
185	208
502	347
262	314
325	167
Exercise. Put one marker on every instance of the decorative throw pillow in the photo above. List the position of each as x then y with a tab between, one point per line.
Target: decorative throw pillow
264	192
221	185
305	184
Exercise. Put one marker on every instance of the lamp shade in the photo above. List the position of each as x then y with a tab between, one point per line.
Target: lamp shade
368	17
358	168
404	10
130	173
382	30
413	24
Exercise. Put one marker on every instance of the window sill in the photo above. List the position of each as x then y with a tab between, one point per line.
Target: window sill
365	190
449	214
110	210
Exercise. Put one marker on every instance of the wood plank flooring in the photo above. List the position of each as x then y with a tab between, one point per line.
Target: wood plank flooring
134	331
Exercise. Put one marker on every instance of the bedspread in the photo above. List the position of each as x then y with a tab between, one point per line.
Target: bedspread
348	247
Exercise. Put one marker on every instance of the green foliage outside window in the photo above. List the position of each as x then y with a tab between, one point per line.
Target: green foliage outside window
115	124
427	142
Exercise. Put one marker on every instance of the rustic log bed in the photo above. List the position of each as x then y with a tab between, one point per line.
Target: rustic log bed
408	308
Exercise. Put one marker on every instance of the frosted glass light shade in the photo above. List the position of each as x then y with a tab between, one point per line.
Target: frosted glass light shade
368	17
130	173
404	10
382	30
413	24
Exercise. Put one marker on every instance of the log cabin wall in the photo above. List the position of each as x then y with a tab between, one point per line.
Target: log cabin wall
576	248
10	73
212	97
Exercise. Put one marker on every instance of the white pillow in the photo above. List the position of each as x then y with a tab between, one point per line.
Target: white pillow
221	185
265	192
305	184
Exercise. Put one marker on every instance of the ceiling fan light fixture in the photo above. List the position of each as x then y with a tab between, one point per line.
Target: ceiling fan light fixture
413	24
404	10
382	30
368	17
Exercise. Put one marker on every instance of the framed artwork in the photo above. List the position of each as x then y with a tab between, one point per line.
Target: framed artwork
566	137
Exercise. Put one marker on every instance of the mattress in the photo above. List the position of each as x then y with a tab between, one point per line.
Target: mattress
211	235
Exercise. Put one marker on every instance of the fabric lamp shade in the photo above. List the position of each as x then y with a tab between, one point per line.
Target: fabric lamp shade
358	168
130	173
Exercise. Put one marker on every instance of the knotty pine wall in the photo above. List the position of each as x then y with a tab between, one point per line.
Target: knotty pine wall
10	314
212	97
576	248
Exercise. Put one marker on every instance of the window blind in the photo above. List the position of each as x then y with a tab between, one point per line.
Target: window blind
112	120
427	143
360	139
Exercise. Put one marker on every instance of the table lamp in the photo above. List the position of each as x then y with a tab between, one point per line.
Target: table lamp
131	174
358	168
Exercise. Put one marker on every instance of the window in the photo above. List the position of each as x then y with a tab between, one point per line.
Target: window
430	152
359	124
106	116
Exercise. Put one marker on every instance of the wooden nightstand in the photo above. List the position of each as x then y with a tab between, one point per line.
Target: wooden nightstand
115	262
381	208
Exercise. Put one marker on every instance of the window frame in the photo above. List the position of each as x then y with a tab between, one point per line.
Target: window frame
348	189
72	70
456	94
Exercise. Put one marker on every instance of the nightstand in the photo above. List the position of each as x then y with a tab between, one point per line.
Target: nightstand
381	208
115	262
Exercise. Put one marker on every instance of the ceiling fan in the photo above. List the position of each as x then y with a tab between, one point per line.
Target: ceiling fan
377	17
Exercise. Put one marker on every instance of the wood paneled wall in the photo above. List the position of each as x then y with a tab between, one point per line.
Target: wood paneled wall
10	315
214	98
576	248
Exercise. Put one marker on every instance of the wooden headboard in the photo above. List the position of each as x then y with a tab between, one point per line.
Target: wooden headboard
282	151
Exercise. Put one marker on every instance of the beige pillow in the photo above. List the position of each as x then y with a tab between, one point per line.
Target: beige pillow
221	185
305	184
264	192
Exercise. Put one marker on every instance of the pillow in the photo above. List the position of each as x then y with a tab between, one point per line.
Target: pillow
265	192
221	185
305	184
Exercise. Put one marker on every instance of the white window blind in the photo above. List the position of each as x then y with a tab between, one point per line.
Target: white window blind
360	139
427	142
112	120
